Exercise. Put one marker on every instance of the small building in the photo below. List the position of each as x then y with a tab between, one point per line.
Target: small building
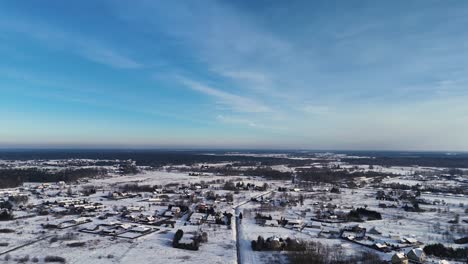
409	240
416	255
273	223
399	258
135	208
196	218
330	232
175	210
294	224
381	247
374	231
80	220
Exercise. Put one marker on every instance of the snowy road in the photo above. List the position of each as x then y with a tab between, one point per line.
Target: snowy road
242	244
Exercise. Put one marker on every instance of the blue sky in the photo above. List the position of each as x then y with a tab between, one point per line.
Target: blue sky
388	75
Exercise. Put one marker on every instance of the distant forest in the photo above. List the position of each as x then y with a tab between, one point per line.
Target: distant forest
305	174
150	158
15	177
259	165
157	158
442	161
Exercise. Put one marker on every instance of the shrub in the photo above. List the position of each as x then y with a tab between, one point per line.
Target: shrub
229	186
23	259
463	240
18	199
54	259
254	245
6	215
204	237
359	213
76	244
177	237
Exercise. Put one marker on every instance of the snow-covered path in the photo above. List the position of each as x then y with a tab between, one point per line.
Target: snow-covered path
244	252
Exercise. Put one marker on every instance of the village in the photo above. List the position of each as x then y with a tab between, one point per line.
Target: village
189	213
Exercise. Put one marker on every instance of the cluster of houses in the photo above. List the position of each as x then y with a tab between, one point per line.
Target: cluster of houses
121	230
66	224
120	195
70	206
207	218
280	221
395	195
277	243
355	233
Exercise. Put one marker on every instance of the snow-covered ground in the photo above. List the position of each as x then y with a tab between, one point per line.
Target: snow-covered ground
433	225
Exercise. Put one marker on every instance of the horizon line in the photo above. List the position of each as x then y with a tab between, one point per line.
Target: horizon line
116	148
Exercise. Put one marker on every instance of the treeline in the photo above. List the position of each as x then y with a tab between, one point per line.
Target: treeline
16	177
157	158
318	253
442	251
151	158
312	174
441	161
269	173
427	188
360	214
261	171
134	187
328	175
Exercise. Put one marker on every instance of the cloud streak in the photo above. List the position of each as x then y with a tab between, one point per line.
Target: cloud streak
86	47
237	121
235	102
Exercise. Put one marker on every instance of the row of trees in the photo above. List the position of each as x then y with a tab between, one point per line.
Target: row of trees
318	253
439	161
277	244
360	213
153	158
442	251
15	177
327	175
193	245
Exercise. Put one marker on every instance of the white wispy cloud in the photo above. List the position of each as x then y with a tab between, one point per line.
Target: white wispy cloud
226	41
316	109
236	121
87	47
258	79
235	102
108	56
240	120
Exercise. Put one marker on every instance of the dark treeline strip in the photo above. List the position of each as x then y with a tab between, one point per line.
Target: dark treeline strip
442	251
445	161
427	188
158	158
305	174
327	175
150	158
15	177
260	171
318	253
